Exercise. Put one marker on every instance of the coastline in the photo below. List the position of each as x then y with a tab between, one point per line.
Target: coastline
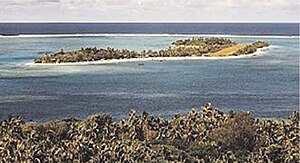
259	52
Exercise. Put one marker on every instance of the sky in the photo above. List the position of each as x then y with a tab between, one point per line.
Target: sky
149	10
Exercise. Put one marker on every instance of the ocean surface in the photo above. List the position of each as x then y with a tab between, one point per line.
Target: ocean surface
266	84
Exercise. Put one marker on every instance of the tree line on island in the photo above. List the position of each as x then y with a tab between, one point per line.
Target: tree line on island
197	46
204	135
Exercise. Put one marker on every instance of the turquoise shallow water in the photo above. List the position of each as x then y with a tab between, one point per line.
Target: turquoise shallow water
267	84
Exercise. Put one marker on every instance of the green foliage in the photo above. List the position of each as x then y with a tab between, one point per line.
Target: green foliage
251	48
236	133
207	135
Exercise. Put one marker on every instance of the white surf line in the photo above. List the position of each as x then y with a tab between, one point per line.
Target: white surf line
142	35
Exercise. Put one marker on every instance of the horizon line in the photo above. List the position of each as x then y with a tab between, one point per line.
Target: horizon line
150	22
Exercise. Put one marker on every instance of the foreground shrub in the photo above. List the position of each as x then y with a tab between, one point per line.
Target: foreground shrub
207	135
236	133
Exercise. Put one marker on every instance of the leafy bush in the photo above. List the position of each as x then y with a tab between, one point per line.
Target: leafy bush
207	135
236	133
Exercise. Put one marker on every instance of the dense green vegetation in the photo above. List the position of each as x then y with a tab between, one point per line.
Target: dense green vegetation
181	48
251	48
206	135
202	41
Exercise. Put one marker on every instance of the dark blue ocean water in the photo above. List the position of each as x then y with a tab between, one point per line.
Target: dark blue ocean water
267	84
285	29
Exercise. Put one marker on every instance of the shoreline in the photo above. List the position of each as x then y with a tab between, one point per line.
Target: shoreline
116	61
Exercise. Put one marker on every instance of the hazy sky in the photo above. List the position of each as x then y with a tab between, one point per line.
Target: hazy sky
149	10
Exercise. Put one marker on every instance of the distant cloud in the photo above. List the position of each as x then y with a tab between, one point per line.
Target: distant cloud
149	10
27	2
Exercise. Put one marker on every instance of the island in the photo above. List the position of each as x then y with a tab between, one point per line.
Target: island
201	135
194	47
